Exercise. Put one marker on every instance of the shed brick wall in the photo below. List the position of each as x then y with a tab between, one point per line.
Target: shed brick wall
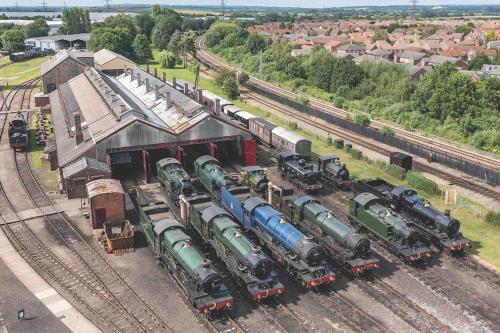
62	73
114	203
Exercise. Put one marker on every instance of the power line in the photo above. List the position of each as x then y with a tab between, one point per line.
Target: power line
44	5
223	8
413	9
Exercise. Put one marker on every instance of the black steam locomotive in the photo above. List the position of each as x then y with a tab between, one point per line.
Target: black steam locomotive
33	53
18	133
294	168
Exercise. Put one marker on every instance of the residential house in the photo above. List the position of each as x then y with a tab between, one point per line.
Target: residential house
350	49
489	70
381	54
409	57
415	72
439	60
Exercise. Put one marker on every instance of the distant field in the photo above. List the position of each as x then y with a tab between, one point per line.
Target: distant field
20	71
486	238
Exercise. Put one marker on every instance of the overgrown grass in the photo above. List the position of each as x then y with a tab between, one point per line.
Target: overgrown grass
485	237
20	71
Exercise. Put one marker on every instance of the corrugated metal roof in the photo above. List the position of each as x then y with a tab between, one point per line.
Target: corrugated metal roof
55	38
288	135
104	56
104	186
82	164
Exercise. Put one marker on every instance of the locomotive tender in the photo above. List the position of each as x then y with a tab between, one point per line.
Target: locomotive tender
347	247
305	176
298	253
399	236
175	179
437	227
18	132
335	172
247	263
174	250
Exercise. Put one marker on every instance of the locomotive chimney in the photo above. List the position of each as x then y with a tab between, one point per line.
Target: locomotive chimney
282	220
330	214
237	233
256	249
78	128
187	243
205	263
447	212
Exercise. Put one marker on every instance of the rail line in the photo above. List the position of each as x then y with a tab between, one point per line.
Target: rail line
487	190
93	266
431	143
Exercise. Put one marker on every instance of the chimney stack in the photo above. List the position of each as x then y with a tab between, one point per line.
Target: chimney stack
217	106
125	70
148	87
157	92
200	96
164	77
139	82
167	98
147	68
78	128
155	72
132	77
123	108
174	82
186	88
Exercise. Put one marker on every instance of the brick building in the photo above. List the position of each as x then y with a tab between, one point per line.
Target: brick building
62	67
107	201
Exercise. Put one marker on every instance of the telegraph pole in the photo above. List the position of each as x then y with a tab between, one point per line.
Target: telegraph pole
223	8
261	64
413	9
107	3
44	5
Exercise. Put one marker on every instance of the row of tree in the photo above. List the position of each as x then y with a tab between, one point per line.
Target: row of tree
12	36
446	101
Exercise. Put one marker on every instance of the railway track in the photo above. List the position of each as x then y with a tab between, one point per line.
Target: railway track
487	190
6	64
434	144
90	264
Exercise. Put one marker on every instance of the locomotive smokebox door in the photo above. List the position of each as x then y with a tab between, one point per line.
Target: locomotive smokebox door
402	160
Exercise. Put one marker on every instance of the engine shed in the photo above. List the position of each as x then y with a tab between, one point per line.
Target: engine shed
107	201
131	121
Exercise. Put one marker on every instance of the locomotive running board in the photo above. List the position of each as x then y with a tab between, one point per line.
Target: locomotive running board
29	214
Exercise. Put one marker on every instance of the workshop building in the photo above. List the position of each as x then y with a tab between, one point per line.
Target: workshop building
58	42
76	175
111	63
62	67
131	121
106	201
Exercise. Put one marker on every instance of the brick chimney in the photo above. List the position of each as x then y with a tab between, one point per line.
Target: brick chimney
78	128
200	96
167	98
157	92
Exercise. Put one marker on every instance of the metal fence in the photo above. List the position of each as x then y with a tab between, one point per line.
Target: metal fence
492	177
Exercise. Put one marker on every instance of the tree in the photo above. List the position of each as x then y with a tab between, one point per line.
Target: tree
114	39
13	40
75	21
380	34
167	59
362	119
477	62
37	28
218	31
142	48
256	43
165	26
230	88
122	21
243	78
145	23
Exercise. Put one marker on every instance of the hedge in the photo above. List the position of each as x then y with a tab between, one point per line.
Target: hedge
418	181
395	171
356	154
348	147
493	218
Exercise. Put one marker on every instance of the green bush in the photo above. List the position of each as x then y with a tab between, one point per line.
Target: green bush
339	102
339	143
348	147
362	119
395	171
418	181
243	78
167	59
386	130
493	218
293	126
381	164
356	154
329	141
302	99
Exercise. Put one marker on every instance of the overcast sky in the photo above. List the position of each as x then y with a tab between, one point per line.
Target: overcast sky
291	3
